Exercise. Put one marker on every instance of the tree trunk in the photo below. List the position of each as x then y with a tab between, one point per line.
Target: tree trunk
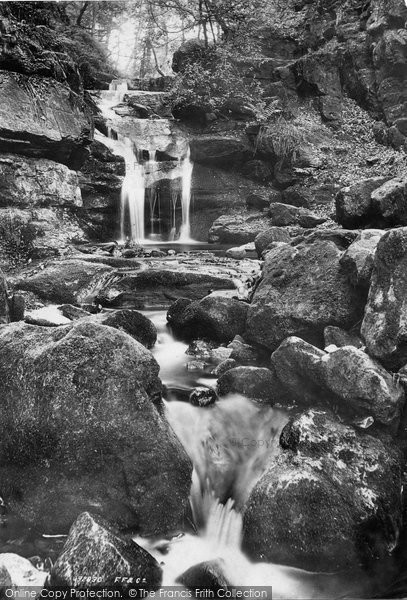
81	13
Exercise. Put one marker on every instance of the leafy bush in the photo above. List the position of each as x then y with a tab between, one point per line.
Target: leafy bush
213	84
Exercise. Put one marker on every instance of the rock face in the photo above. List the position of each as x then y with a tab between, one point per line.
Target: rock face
303	290
82	429
95	551
39	202
345	378
330	501
37	233
28	183
42	118
358	258
219	150
253	382
384	323
69	281
100	180
214	317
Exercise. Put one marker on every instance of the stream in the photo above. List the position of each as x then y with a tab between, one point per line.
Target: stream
230	444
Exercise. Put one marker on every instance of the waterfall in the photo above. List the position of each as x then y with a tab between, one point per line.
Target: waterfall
132	192
186	168
149	211
117	89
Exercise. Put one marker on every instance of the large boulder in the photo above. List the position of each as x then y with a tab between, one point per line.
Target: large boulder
83	429
131	322
274	234
68	281
358	258
96	554
214	317
302	291
253	382
390	201
330	501
354	203
346	379
384	326
237	228
28	182
42	118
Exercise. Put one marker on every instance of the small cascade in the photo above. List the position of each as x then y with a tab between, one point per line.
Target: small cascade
133	190
156	191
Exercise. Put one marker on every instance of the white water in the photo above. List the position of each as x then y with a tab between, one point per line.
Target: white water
132	194
186	168
230	445
142	172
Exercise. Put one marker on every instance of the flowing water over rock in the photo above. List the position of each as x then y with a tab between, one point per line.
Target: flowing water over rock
156	191
230	444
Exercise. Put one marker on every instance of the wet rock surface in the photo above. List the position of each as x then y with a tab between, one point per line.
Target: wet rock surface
351	480
214	317
253	382
96	551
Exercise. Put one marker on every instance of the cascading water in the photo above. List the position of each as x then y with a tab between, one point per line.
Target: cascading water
230	445
133	189
186	168
142	203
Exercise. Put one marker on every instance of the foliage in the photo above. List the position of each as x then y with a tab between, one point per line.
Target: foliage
285	135
89	54
214	83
